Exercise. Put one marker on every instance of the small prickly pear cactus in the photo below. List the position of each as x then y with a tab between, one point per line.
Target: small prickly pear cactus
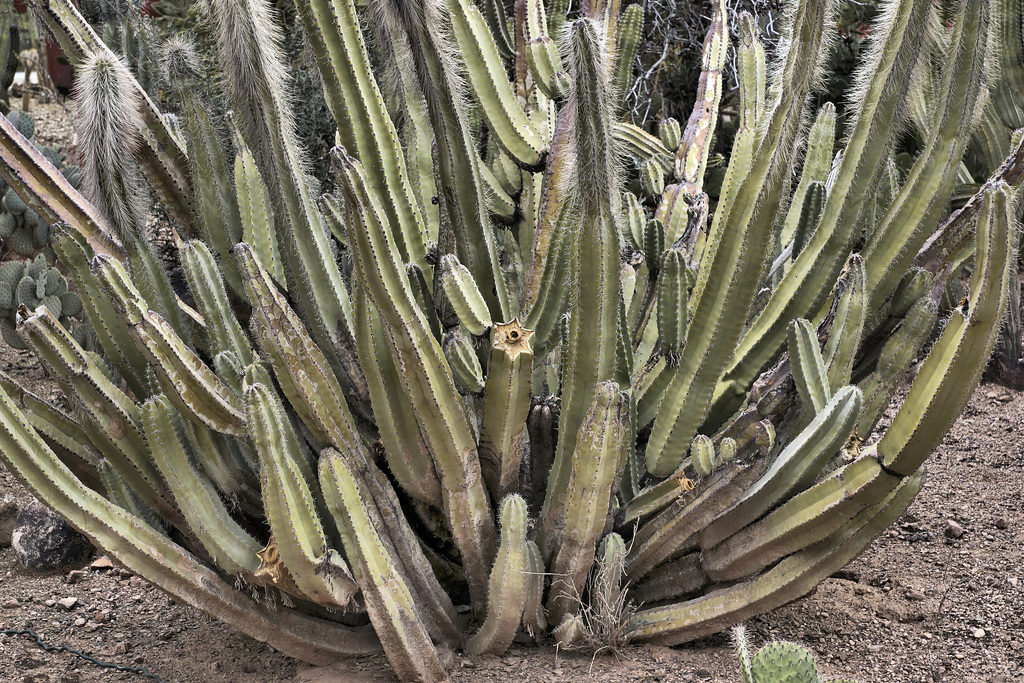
34	283
777	662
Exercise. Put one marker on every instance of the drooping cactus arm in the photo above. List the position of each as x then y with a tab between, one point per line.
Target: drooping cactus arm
953	368
792	578
163	157
47	191
141	549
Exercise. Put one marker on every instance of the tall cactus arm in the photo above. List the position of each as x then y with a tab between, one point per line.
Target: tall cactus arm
426	380
255	210
808	281
808	365
366	129
468	232
248	42
163	157
216	198
914	212
792	578
42	186
144	550
692	155
508	584
207	287
406	451
844	338
953	368
491	87
506	405
590	356
390	603
597	464
300	366
817	164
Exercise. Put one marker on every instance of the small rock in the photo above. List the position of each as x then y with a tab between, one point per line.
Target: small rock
121	648
101	617
80	621
8	513
468	664
11	604
1000	522
874	649
102	562
75	576
702	673
1013	581
914	595
953	530
249	666
67	603
978	633
44	541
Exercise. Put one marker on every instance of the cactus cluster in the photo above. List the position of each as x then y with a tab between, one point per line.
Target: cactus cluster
35	283
518	360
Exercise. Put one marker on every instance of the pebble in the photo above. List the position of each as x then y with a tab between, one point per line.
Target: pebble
67	603
11	604
80	621
102	562
952	529
874	649
1001	523
1013	581
75	576
914	595
978	633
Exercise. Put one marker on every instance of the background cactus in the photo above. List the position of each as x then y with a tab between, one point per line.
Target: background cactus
483	322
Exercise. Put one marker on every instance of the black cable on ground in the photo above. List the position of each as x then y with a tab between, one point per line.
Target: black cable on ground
63	648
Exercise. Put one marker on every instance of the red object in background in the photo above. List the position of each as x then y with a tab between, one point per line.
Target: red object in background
20	7
57	65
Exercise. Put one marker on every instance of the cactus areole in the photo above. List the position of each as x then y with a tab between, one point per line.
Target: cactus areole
480	370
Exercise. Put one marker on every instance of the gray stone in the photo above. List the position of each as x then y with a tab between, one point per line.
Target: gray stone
44	541
8	513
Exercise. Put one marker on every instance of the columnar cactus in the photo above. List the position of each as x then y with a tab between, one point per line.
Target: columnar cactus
484	371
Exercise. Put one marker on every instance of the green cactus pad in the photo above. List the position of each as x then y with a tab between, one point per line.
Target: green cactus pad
13	203
782	662
23	122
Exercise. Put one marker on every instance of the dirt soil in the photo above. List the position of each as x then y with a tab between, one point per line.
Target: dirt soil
937	597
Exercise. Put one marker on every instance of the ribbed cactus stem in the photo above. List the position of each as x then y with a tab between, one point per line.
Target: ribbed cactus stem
508	584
